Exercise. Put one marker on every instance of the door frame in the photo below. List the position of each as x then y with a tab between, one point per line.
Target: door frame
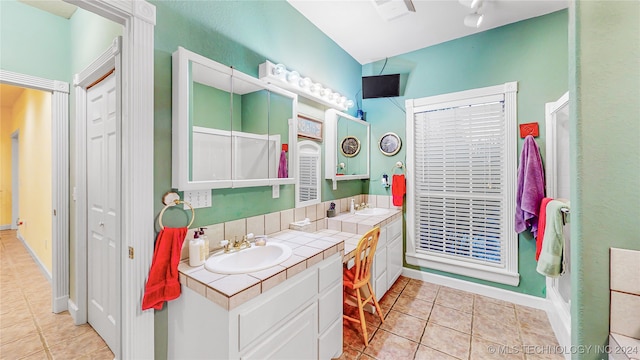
15	175
59	178
138	19
108	60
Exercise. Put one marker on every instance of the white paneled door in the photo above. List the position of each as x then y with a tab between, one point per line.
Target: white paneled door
103	252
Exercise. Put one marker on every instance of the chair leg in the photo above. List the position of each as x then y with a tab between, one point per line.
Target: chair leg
375	302
363	322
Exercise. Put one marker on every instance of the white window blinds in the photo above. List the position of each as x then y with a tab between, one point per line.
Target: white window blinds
461	189
459	175
308	170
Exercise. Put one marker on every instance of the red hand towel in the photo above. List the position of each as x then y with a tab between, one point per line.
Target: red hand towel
398	188
542	222
163	284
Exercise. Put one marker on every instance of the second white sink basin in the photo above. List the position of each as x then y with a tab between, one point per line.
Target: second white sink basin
372	211
249	260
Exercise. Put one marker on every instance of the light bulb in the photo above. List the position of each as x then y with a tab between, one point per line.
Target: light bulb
473	20
335	96
278	69
304	83
348	104
325	93
342	99
293	76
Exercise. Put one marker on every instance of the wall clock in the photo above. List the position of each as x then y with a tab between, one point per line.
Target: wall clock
350	146
390	144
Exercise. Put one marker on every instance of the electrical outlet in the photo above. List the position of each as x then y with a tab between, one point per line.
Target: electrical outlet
197	198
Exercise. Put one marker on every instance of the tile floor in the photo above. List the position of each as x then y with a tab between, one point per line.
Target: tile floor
28	328
424	321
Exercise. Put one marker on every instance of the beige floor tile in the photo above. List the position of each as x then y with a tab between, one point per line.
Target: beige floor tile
544	356
496	331
453	319
537	338
387	301
102	354
349	354
533	320
60	331
387	346
40	355
485	299
14	317
399	285
22	347
427	353
366	357
404	325
17	331
455	299
421	290
77	346
352	335
486	350
495	311
448	341
413	306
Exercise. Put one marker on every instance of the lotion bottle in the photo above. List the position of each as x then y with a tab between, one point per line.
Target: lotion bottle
352	209
195	250
205	244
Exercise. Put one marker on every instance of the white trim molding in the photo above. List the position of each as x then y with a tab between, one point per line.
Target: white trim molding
507	272
35	258
137	231
59	179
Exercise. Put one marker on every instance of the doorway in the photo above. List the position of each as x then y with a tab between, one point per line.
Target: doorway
15	168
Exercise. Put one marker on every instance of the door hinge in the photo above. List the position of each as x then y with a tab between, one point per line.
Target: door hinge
130	252
54	212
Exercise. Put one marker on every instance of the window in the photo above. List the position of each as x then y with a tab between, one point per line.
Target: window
308	180
460	214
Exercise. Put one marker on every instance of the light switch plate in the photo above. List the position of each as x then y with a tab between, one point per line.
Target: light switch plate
197	198
275	191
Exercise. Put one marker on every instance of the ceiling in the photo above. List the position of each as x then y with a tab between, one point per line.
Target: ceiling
358	28
56	7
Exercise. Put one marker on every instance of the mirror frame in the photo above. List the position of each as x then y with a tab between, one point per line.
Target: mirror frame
180	125
332	143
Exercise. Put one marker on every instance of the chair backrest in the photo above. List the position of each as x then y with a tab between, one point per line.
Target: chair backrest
365	251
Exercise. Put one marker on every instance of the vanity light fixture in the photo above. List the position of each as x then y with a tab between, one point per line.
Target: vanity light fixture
278	75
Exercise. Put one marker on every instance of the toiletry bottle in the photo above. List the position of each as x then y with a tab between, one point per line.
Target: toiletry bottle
195	250
352	209
205	244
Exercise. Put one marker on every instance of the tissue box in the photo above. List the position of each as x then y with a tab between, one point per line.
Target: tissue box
301	226
331	213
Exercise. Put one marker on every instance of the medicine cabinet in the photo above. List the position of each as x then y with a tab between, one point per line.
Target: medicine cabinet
346	148
229	128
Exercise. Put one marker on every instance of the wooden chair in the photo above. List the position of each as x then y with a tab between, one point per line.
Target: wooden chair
355	279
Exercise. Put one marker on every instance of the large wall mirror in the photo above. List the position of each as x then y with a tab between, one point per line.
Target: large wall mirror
228	127
347	147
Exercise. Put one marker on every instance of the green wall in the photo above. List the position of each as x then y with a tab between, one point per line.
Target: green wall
605	121
532	52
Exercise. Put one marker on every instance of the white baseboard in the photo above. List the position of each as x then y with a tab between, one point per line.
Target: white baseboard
480	289
44	270
60	304
74	312
5	227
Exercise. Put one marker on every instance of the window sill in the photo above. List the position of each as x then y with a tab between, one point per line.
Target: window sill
478	271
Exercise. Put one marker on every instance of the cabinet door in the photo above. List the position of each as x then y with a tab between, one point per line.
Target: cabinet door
330	343
394	260
295	340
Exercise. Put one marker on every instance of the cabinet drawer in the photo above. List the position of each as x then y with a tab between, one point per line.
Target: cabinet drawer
296	340
330	343
380	262
330	272
394	230
255	321
329	307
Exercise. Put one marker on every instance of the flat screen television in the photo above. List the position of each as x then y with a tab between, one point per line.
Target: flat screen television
380	86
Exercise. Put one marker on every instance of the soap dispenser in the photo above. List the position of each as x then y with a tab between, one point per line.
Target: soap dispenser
352	209
205	244
195	250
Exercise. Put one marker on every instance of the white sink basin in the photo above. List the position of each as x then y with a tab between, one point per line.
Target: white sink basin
249	260
372	211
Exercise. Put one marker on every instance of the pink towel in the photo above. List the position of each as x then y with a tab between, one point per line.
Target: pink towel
542	223
530	187
163	284
283	171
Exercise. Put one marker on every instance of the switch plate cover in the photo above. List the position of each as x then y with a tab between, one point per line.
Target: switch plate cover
197	198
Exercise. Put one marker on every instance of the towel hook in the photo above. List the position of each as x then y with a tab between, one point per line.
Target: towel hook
399	165
172	199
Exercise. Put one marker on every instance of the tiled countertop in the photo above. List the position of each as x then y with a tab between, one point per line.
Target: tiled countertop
229	291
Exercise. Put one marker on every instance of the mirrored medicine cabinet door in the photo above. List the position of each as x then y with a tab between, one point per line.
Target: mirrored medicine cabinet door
229	128
347	147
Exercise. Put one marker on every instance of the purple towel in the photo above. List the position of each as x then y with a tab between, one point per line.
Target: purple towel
283	171
530	187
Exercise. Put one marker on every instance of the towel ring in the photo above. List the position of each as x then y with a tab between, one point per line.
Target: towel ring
398	165
174	203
